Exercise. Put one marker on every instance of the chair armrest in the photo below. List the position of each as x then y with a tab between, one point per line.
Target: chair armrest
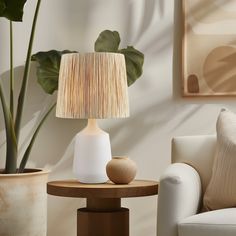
179	197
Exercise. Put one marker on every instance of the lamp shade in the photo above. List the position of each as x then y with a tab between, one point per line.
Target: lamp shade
92	85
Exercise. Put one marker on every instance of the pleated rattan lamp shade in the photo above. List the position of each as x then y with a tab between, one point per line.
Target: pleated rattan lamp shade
92	85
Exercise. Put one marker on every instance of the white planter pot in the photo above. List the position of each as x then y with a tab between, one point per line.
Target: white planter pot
23	203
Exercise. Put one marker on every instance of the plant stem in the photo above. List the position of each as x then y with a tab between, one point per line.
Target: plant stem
11	153
11	72
21	99
28	150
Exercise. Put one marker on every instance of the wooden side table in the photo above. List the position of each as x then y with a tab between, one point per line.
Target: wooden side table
103	215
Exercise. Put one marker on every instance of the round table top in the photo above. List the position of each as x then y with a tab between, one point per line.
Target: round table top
73	188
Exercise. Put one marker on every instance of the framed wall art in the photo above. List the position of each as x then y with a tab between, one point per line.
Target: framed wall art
209	48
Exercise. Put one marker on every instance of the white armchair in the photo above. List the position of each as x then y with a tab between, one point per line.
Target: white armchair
181	190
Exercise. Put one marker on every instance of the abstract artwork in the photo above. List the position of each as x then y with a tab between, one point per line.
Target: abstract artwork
209	48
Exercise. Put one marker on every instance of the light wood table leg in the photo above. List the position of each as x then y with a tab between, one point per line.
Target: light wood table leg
103	217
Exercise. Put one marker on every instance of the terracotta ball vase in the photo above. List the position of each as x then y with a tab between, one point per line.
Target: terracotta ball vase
121	170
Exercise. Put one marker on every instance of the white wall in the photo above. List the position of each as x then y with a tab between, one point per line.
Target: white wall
157	110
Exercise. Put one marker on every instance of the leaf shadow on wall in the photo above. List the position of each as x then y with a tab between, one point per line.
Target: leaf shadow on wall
47	149
30	113
162	112
157	41
35	97
150	120
74	21
144	21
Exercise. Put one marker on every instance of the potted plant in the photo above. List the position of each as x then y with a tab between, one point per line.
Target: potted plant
23	200
23	191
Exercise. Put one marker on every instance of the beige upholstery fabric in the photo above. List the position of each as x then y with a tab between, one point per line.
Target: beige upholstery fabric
218	223
180	195
198	152
221	191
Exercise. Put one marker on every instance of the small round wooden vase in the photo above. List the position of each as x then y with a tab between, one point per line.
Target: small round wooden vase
121	170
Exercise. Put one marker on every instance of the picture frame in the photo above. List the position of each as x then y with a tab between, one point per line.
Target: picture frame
208	48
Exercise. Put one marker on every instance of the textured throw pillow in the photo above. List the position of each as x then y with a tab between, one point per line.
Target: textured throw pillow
221	191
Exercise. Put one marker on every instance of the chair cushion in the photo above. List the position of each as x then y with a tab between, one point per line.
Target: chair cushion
198	152
218	223
221	191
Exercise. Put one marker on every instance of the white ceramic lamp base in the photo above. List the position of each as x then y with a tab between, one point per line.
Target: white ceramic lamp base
92	153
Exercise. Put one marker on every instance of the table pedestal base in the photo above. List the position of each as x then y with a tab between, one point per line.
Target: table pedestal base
103	217
115	223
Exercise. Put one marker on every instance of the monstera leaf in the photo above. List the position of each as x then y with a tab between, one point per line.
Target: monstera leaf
108	41
48	68
12	9
134	63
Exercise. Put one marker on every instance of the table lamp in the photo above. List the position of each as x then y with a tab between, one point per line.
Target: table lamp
92	86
